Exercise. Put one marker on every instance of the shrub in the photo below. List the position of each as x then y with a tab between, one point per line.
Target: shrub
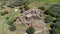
11	5
57	25
56	28
58	19
12	27
21	10
17	3
3	12
48	19
47	12
42	8
30	30
7	17
52	26
55	31
10	22
55	10
26	8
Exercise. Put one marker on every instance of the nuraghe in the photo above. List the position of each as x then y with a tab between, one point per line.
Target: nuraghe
32	17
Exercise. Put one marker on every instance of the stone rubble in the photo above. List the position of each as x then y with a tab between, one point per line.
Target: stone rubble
32	17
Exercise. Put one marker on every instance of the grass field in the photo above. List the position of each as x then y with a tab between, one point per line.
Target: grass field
42	3
3	21
2	24
45	1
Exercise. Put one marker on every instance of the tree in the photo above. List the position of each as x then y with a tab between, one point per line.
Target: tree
16	3
55	31
30	30
55	10
56	28
57	25
58	19
48	19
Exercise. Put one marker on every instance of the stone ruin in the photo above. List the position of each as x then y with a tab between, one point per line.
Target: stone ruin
33	17
30	16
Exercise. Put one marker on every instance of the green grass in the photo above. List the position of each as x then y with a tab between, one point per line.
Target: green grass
3	24
45	0
4	21
42	3
14	14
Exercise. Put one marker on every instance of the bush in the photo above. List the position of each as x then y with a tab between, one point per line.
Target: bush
26	8
57	25
55	10
7	17
42	8
47	12
12	27
11	5
30	30
56	28
55	31
48	19
10	22
58	19
3	12
17	3
21	10
52	26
